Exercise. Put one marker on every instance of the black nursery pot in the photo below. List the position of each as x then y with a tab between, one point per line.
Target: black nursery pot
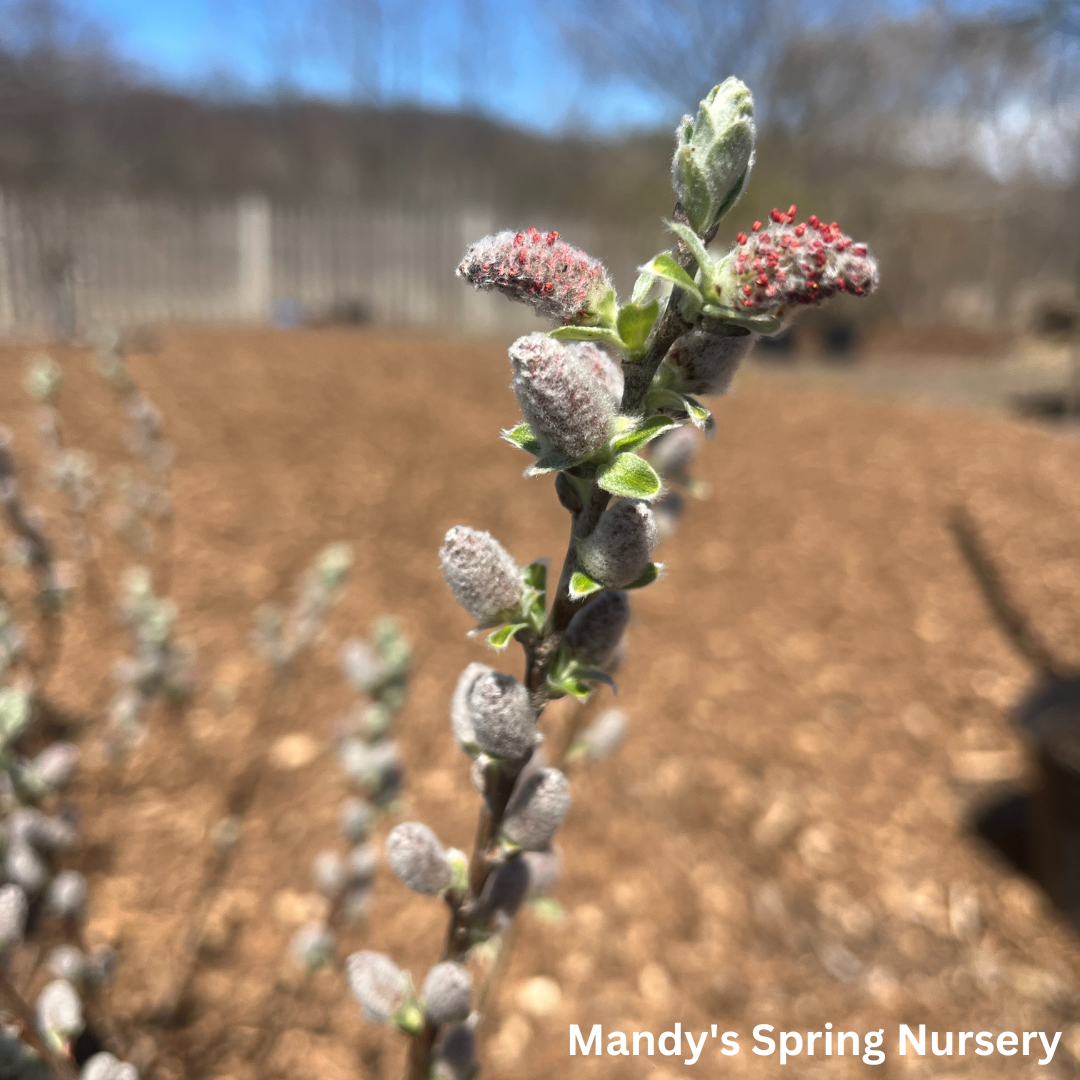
1050	719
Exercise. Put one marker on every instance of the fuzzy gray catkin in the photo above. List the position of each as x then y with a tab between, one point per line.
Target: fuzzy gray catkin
379	985
313	945
328	873
68	962
604	734
360	866
619	549
356	820
606	371
447	992
361	665
418	858
455	1057
537	809
502	715
595	631
704	360
25	868
66	895
544	868
56	764
506	889
460	717
568	409
14	908
104	1066
59	1010
481	573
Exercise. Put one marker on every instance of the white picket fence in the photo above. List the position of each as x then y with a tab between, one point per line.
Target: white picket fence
69	266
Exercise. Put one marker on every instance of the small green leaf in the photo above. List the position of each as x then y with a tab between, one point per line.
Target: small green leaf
535	575
581	585
588	333
550	462
645	432
760	324
733	195
650	574
547	909
523	438
635	323
664	266
629	476
642	287
694	243
499	639
700	417
595	675
662	398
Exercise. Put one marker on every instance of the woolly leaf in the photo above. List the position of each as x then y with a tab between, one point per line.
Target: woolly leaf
642	287
523	438
536	575
635	323
588	333
664	266
693	242
760	324
630	477
643	433
581	585
648	576
499	639
550	462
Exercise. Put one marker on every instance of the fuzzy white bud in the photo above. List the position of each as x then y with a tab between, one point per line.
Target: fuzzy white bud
361	665
313	945
460	717
25	868
568	409
537	809
481	574
56	764
328	873
356	820
416	856
104	1066
447	992
360	866
502	715
14	908
595	631
619	549
67	895
68	962
380	986
59	1010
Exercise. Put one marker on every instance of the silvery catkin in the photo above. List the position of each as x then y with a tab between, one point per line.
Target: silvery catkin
537	809
447	992
619	549
460	717
704	360
378	984
481	573
416	856
569	411
502	715
595	631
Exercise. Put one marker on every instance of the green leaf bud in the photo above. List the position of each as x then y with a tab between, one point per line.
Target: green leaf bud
447	992
502	715
568	408
714	154
418	858
481	574
537	809
619	549
595	631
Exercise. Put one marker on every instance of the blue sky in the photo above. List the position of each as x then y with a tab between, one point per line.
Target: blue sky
517	68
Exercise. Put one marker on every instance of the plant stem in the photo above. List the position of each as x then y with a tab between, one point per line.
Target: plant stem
538	657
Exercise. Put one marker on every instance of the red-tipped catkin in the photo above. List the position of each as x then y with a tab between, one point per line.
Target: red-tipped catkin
541	270
785	264
704	361
568	408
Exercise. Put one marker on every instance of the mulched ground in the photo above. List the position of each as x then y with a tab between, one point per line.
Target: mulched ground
818	695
